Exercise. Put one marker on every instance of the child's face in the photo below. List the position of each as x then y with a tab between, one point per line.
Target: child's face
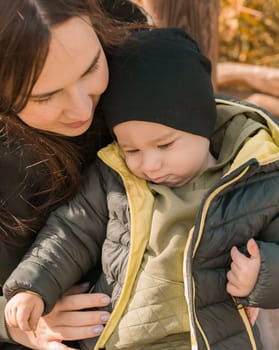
161	154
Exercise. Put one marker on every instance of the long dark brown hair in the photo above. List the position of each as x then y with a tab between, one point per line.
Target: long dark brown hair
25	34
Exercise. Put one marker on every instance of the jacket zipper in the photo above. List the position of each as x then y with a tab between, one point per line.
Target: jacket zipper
246	322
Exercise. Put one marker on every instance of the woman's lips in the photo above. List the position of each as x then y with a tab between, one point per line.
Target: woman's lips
76	125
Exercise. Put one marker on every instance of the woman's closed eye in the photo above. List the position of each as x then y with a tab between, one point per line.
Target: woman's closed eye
48	98
42	100
94	65
92	69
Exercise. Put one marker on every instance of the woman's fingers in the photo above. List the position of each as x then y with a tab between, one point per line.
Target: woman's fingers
68	333
66	322
82	301
82	318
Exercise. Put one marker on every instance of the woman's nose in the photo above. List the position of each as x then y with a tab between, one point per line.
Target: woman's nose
80	104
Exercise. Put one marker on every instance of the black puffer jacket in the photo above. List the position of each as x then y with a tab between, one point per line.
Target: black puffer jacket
242	205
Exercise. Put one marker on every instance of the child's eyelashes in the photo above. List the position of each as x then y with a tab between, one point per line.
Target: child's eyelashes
131	151
161	147
165	145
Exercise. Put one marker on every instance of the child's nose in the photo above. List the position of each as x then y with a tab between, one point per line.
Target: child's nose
151	163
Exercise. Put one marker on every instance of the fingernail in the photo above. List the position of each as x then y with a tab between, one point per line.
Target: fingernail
98	329
105	318
105	300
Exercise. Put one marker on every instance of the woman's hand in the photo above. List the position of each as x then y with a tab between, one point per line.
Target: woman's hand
66	321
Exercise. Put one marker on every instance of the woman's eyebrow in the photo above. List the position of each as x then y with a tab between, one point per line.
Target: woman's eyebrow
89	69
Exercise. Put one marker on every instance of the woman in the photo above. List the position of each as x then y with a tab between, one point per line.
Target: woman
53	70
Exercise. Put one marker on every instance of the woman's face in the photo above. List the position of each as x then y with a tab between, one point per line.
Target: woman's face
74	76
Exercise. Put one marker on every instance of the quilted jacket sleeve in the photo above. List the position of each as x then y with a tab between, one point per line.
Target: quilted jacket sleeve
66	247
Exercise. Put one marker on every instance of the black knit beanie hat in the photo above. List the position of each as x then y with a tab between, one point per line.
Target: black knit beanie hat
161	76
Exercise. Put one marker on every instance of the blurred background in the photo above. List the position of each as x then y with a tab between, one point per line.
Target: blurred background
241	37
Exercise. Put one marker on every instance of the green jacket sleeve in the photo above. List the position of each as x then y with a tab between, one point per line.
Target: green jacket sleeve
66	247
18	184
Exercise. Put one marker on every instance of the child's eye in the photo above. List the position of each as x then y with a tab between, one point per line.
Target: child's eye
131	151
165	145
